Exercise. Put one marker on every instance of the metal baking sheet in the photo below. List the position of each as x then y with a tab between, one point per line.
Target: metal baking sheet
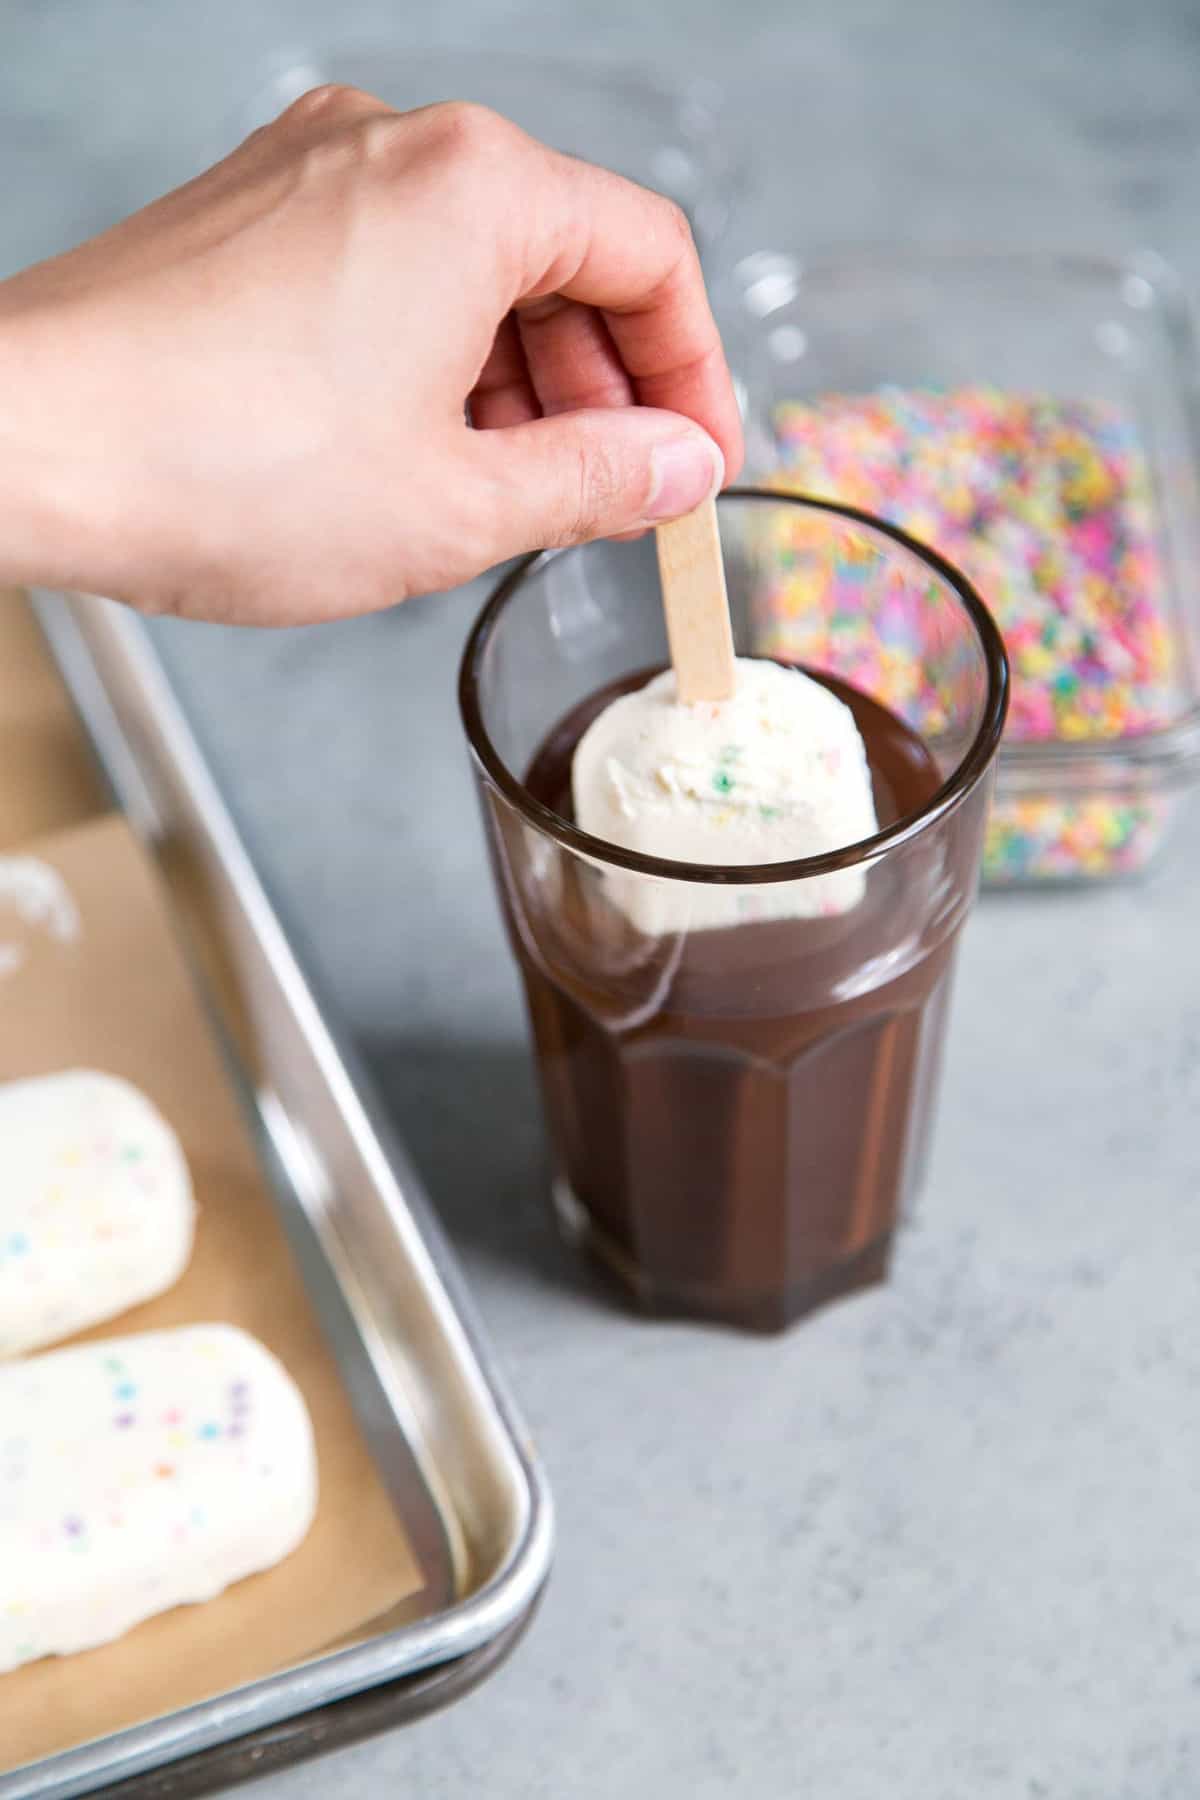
442	1425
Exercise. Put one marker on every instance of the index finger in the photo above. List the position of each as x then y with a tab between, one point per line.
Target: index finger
630	253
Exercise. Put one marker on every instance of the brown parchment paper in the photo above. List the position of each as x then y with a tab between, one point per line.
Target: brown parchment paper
48	777
121	999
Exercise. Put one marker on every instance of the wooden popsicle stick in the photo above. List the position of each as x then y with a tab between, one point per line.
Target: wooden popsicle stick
696	604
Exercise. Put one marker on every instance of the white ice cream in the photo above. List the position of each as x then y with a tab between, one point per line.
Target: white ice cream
96	1210
778	771
140	1473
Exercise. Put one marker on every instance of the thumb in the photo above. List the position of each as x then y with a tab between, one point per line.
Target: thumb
583	475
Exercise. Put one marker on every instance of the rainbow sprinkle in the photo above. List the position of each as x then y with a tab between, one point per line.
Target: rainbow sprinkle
207	1474
1046	506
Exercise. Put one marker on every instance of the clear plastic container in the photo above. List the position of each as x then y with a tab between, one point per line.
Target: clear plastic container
663	133
1076	799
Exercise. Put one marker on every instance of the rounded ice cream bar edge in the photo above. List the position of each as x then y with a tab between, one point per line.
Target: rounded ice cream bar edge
776	773
96	1208
141	1473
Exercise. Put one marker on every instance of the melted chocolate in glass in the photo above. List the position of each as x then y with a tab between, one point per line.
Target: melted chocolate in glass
739	1114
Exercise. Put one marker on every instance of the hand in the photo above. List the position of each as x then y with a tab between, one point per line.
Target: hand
248	401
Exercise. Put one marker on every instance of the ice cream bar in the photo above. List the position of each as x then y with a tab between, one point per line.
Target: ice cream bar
96	1211
141	1473
775	773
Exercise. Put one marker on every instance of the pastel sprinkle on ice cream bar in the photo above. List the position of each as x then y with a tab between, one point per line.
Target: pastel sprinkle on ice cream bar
141	1474
96	1210
775	773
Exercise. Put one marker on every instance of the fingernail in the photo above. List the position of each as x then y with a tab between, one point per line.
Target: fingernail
684	472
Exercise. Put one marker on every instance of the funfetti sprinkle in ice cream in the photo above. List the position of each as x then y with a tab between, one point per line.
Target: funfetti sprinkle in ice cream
141	1473
96	1210
775	773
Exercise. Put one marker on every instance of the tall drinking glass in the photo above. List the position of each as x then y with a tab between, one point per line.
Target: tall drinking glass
739	1063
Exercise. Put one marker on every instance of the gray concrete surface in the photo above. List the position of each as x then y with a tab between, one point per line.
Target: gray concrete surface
942	1542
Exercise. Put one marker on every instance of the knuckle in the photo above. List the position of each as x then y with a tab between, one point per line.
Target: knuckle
331	97
356	149
677	225
593	493
469	130
379	140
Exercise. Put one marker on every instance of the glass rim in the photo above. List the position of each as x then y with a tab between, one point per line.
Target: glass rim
962	779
